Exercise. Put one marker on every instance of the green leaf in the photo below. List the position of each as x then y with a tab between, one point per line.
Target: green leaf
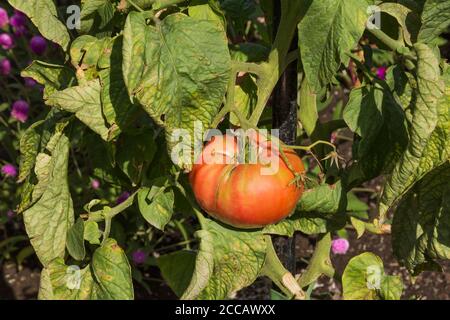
373	114
359	226
407	19
92	233
327	33
207	10
113	272
29	148
44	15
117	107
177	269
49	219
44	131
86	50
84	101
45	286
391	288
75	240
135	152
308	223
354	204
421	223
204	266
228	260
324	198
103	7
69	282
437	150
156	205
435	20
249	52
362	277
321	209
96	16
423	118
188	58
246	96
307	113
53	77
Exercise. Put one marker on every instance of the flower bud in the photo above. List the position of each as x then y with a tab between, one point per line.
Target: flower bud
4	20
5	67
20	110
6	41
38	45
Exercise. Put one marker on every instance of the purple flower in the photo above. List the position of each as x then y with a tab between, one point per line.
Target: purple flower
9	170
38	45
10	214
20	110
381	73
29	82
339	246
5	67
6	41
124	196
4	20
139	256
18	19
95	184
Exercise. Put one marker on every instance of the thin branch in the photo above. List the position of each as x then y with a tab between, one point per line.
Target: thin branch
383	37
135	6
249	67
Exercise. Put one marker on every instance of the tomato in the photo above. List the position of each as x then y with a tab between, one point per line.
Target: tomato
243	194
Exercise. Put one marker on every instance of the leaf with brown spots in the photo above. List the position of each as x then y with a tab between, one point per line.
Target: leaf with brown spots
112	271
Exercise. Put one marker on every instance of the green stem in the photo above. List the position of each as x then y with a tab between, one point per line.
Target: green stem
249	67
310	147
174	245
319	264
245	124
378	229
109	213
283	279
309	290
274	68
135	6
388	41
108	221
184	233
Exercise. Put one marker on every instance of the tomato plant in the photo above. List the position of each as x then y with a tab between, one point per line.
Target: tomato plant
132	90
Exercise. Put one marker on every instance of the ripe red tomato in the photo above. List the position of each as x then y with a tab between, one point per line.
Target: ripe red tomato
241	194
